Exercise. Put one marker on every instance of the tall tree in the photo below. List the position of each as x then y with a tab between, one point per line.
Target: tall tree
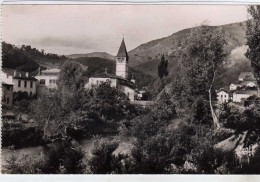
200	58
71	85
163	68
253	39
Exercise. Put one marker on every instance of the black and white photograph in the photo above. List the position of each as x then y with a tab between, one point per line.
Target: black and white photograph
130	89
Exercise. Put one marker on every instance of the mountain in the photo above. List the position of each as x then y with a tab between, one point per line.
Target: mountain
235	36
93	54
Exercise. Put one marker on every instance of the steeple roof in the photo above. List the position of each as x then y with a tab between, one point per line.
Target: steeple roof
122	52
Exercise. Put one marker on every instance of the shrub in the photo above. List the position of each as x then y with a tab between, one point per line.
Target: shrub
103	160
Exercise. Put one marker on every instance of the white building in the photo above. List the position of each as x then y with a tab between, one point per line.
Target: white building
240	95
47	80
21	81
223	96
120	80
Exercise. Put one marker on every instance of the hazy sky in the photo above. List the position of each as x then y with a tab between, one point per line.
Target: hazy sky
69	29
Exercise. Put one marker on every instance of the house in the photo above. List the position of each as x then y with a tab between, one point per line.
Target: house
21	81
120	79
47	80
242	94
223	96
235	86
7	94
246	76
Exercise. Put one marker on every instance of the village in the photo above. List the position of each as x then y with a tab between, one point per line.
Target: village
18	82
160	95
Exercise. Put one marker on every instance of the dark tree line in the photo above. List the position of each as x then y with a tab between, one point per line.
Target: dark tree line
24	58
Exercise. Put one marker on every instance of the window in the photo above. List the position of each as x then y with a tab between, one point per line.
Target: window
7	100
50	80
42	81
19	83
30	94
8	87
25	84
31	84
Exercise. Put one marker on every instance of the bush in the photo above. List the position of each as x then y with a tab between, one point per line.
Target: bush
64	158
15	134
25	165
103	160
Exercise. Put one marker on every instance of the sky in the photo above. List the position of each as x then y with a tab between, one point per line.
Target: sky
79	29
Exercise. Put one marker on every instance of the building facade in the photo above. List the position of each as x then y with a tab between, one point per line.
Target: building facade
21	81
7	94
120	80
47	80
223	96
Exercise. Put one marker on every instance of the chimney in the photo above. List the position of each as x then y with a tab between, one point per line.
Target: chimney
132	78
27	74
106	70
14	72
39	71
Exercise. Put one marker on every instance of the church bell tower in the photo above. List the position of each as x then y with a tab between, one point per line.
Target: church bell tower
122	61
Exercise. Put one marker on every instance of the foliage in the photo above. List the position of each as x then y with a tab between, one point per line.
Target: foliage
103	160
110	103
64	158
253	39
162	68
24	58
25	165
14	133
201	56
70	85
61	158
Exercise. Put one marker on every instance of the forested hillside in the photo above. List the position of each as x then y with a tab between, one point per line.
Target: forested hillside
26	58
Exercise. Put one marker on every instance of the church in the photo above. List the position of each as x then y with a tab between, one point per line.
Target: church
120	79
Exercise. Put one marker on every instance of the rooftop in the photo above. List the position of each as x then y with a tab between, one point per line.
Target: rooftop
18	74
122	52
54	70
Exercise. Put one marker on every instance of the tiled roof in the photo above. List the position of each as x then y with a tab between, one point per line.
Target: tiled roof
5	83
222	89
18	75
54	70
248	92
122	81
122	52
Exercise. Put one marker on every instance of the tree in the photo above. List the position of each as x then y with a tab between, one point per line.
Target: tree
71	85
253	39
163	68
200	58
110	103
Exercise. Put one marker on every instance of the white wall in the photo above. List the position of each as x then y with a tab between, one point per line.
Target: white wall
239	97
5	78
222	97
122	68
232	87
22	88
47	79
129	92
